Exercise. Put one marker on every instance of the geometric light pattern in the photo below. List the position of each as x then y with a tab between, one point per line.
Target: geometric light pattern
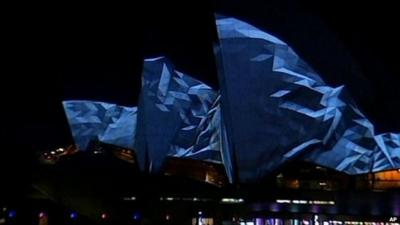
210	142
206	143
289	110
272	108
101	121
171	107
387	155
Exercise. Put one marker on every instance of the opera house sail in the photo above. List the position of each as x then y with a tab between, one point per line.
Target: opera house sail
272	108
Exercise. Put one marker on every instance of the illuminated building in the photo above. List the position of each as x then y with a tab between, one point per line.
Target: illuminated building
289	114
281	124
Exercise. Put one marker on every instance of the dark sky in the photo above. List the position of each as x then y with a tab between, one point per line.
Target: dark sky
57	52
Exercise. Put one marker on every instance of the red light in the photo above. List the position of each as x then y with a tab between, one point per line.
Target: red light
104	216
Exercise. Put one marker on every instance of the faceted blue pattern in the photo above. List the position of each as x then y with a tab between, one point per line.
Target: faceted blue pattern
171	107
210	143
289	112
272	108
101	121
387	155
206	144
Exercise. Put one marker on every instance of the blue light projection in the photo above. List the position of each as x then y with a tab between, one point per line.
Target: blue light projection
210	141
272	108
387	153
171	107
289	112
205	144
109	123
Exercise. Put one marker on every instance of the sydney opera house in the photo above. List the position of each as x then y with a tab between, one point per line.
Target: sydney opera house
272	109
274	145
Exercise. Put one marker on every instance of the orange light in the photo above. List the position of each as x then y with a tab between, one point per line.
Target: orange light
390	175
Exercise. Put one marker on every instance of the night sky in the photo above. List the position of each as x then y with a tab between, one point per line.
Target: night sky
58	52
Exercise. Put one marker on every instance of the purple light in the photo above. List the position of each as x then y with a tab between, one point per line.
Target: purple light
271	221
396	205
42	215
315	209
260	221
274	207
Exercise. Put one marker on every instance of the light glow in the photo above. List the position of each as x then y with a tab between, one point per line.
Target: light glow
309	202
42	214
232	200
